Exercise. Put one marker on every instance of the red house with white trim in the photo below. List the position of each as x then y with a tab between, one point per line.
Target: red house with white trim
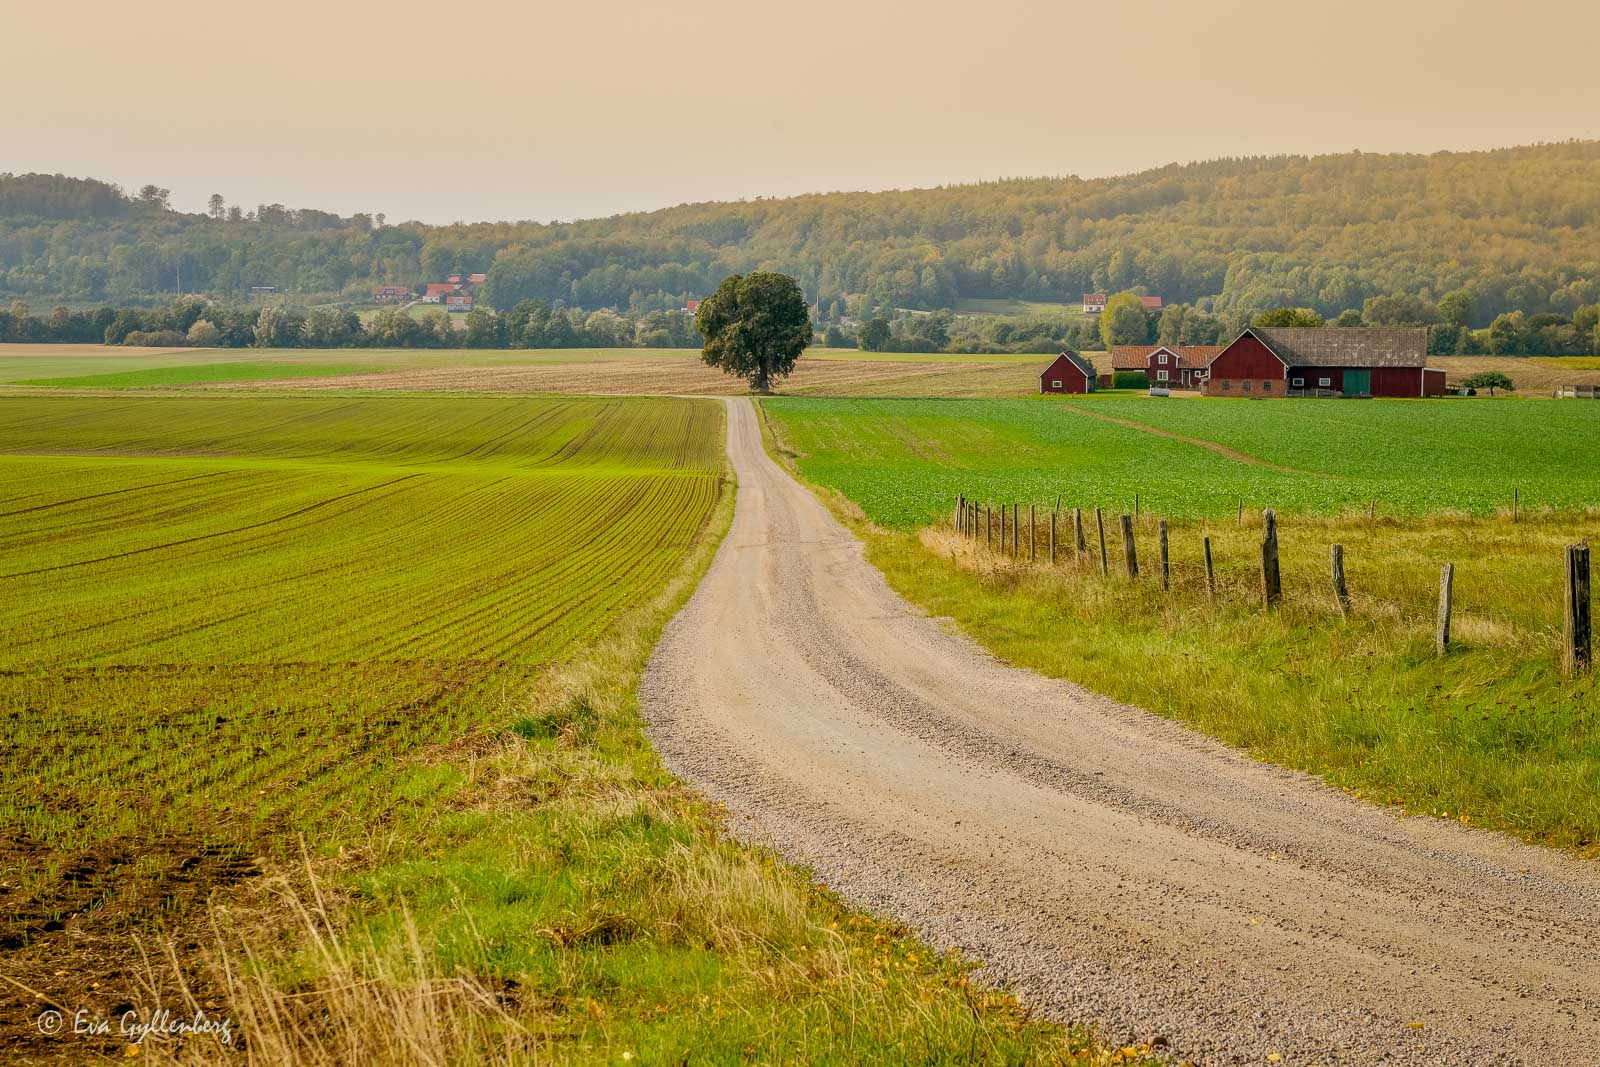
1174	366
1069	373
1323	361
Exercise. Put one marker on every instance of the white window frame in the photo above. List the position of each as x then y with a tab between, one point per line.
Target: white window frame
1162	359
1055	383
1161	375
1298	383
1324	383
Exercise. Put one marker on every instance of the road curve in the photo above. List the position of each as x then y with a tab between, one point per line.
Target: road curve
1112	866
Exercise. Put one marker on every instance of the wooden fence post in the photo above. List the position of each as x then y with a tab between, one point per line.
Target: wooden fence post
1016	531
1130	552
1080	547
1211	577
1576	649
1166	576
1100	524
1441	635
955	520
1003	520
1052	539
1136	507
1515	501
1241	511
1271	582
1341	595
1033	534
988	526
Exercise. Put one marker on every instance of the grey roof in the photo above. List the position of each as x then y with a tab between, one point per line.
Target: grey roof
1355	346
1077	361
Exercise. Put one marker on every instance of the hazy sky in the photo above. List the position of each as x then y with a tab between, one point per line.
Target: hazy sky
492	109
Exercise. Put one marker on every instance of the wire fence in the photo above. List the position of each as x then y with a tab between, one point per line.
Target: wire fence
1111	545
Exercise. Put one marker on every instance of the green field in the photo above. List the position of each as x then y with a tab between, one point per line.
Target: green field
404	634
1016	308
1492	734
904	461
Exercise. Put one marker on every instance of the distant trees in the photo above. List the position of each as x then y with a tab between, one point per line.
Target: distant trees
1288	317
156	197
755	326
1124	321
874	335
216	207
203	334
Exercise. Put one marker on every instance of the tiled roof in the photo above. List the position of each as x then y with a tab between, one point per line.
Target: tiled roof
1333	346
1137	357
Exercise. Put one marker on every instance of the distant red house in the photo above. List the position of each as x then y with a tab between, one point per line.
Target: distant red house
477	279
390	292
1324	361
458	301
1094	303
1068	373
454	279
1151	303
436	290
691	306
1175	366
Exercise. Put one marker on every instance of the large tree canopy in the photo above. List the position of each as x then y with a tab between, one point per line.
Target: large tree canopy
755	325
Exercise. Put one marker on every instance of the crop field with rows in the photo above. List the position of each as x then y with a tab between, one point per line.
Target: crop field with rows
904	461
230	621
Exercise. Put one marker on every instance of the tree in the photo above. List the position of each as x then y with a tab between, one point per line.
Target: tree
1288	317
235	213
1505	334
1490	380
1349	317
330	327
755	326
216	207
874	335
204	334
1455	308
1124	322
155	196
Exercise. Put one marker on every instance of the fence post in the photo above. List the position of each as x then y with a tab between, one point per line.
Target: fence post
955	520
1003	520
1016	531
1166	574
1441	638
1271	583
1515	501
1211	577
1100	524
1130	553
1052	539
1033	534
1080	547
1340	594
988	527
1575	647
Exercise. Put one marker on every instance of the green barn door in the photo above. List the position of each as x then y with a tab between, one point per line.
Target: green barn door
1357	382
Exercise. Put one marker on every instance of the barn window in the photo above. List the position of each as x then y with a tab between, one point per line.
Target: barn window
1298	382
1324	382
1266	387
1161	375
1245	387
1227	387
1162	358
1055	383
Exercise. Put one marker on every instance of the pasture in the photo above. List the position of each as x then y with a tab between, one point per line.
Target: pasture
403	634
904	461
1491	734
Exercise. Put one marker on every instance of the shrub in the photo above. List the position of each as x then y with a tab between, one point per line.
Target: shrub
1130	379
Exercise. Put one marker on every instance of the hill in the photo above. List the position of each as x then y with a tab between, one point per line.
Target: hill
1517	229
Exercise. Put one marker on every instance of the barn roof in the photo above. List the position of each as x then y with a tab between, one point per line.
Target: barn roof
1150	302
1333	346
1083	365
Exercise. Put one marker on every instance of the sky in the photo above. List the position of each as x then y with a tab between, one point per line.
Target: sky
531	110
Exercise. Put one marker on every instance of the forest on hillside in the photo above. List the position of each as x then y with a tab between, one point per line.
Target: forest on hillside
1514	229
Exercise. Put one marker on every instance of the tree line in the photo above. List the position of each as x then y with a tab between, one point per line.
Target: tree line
1514	230
204	324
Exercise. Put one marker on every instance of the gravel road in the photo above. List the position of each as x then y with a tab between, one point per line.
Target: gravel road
1111	866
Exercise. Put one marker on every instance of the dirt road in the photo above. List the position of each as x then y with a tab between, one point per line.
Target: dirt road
1111	865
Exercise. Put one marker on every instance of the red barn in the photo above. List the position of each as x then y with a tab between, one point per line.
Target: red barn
1070	373
1323	361
1176	366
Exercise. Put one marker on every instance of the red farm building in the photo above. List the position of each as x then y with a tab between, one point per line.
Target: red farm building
1323	361
1174	366
1070	373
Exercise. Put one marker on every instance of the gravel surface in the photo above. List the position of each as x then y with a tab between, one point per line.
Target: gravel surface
1111	866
